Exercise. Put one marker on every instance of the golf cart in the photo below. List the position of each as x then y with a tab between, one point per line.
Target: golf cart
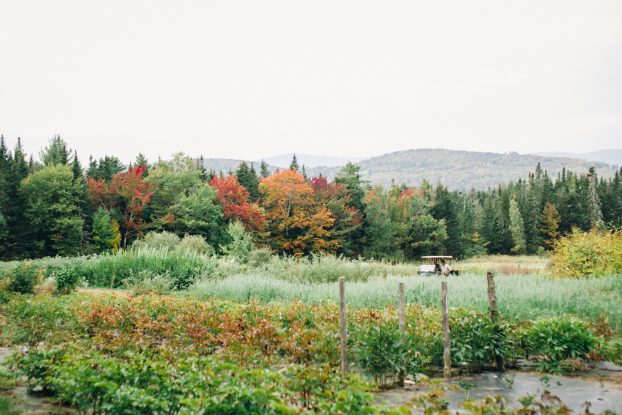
436	265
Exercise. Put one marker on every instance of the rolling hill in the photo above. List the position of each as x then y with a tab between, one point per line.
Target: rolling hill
458	170
609	156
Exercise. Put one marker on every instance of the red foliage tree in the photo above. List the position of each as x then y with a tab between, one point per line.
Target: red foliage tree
234	199
127	194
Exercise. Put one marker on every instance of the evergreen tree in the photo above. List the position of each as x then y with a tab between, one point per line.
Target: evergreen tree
444	209
595	213
294	164
56	153
549	225
263	170
517	228
76	168
249	180
17	241
105	168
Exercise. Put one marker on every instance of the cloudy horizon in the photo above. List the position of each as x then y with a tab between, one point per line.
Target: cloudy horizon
250	80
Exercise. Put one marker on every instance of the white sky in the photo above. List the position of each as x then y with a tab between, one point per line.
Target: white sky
250	79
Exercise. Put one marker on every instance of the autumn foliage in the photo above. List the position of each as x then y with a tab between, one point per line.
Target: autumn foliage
128	195
297	223
234	199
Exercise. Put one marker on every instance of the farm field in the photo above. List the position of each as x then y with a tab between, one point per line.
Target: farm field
202	334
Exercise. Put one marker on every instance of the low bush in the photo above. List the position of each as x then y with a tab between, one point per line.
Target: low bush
113	270
557	341
595	253
195	244
260	257
166	241
476	341
140	383
67	278
384	352
150	284
24	278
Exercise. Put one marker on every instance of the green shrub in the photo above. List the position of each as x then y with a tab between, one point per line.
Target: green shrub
6	406
67	278
114	270
157	240
556	340
260	257
151	284
196	244
476	341
23	278
241	245
595	253
144	384
612	351
383	352
38	319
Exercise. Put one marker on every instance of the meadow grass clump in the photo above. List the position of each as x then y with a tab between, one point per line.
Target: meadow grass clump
329	268
113	270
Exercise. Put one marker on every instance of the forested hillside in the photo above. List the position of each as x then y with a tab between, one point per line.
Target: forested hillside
56	206
458	170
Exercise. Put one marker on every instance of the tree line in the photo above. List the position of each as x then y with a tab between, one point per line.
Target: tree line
57	206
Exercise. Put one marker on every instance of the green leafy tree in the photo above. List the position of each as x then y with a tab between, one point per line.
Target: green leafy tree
200	214
104	235
52	209
176	178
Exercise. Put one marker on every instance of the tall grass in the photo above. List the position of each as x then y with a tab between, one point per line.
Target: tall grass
519	297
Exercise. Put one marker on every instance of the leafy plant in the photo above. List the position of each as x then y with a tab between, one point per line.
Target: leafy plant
67	278
24	278
385	352
554	341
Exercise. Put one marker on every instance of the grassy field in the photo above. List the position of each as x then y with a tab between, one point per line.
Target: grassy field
519	296
525	288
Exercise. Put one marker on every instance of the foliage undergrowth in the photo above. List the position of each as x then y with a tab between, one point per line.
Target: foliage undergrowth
594	253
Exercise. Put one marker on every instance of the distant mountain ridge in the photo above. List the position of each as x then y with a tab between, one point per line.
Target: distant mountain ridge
310	160
458	170
609	156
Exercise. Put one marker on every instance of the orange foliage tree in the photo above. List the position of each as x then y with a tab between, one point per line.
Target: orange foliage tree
297	223
234	199
127	195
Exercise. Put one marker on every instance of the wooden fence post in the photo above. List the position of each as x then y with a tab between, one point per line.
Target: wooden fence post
401	316
401	377
446	339
343	333
494	315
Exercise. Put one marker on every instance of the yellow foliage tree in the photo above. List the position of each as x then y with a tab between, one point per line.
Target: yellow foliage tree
295	222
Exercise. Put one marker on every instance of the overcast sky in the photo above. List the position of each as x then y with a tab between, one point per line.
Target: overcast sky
250	79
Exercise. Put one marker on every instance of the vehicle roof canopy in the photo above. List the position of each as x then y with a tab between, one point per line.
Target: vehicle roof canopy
436	257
